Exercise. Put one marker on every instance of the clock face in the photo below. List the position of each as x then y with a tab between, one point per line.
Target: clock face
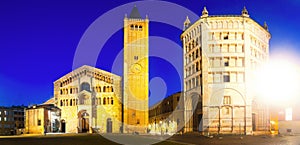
136	68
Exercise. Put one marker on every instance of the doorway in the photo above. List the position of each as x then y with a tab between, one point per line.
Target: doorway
85	124
109	125
63	126
83	121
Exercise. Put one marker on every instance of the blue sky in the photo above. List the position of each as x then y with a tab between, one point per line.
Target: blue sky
38	40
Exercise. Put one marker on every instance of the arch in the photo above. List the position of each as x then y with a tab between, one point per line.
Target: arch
83	121
112	101
193	108
230	24
71	102
85	86
112	89
104	101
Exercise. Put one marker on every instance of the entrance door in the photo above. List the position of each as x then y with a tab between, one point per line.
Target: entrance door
85	125
63	126
109	126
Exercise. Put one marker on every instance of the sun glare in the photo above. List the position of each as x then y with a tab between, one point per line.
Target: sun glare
278	81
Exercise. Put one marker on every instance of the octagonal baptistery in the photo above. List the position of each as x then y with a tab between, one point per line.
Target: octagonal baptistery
221	54
90	101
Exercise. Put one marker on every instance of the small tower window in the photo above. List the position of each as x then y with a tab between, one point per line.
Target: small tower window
136	57
226	78
227	100
131	27
226	37
226	62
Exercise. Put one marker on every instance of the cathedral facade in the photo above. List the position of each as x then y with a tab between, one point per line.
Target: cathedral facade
90	100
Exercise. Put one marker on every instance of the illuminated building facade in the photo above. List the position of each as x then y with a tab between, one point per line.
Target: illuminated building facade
90	101
166	116
136	73
221	54
42	118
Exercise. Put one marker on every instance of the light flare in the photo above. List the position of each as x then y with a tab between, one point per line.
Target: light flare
278	82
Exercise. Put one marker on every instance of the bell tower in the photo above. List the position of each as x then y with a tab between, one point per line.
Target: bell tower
136	73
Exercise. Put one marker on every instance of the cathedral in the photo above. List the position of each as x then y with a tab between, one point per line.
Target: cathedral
93	100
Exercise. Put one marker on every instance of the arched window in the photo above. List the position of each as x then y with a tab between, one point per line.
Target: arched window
104	89
112	89
85	86
71	103
61	103
67	102
112	101
61	92
140	28
131	27
104	101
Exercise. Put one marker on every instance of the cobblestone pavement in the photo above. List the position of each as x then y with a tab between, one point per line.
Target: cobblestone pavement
238	140
96	139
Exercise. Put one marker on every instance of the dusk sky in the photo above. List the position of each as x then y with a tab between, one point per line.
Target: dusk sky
38	40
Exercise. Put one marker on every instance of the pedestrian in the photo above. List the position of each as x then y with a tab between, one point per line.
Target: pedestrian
45	130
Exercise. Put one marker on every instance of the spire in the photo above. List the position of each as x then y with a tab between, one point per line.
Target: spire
135	13
245	12
266	26
204	12
186	23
